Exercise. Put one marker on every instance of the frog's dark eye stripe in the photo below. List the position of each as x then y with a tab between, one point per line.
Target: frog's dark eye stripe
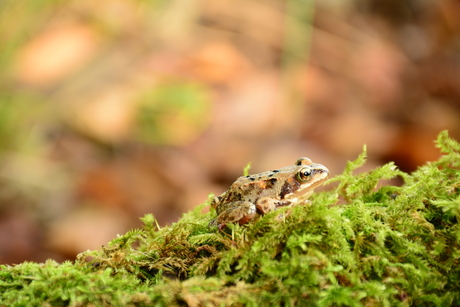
304	175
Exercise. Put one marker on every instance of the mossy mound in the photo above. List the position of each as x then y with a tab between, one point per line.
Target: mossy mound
354	246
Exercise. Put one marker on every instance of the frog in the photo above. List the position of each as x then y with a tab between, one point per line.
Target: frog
252	196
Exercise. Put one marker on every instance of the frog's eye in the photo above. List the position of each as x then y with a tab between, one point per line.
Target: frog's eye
304	175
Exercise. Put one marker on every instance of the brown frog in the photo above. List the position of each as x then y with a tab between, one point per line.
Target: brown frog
251	196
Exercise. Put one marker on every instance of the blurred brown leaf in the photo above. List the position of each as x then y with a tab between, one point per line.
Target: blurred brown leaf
55	53
217	62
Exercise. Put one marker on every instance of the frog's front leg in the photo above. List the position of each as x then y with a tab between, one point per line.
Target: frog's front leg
238	211
266	204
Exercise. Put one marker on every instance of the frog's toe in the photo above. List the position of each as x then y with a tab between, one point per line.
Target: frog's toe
213	223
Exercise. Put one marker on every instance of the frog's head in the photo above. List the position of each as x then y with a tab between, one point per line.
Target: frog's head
305	177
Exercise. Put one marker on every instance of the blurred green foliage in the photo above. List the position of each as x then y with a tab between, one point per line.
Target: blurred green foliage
22	116
172	113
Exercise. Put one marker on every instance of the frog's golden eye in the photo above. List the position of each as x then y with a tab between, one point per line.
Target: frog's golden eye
304	175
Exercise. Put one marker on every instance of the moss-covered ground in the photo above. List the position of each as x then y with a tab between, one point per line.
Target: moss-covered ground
354	246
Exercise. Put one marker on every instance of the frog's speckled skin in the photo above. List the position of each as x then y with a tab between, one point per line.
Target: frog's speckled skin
254	195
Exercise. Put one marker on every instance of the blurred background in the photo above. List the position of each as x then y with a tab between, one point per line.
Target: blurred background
112	109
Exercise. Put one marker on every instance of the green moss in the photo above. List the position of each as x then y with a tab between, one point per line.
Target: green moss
354	246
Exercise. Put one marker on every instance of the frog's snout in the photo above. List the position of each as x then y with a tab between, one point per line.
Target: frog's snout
321	170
